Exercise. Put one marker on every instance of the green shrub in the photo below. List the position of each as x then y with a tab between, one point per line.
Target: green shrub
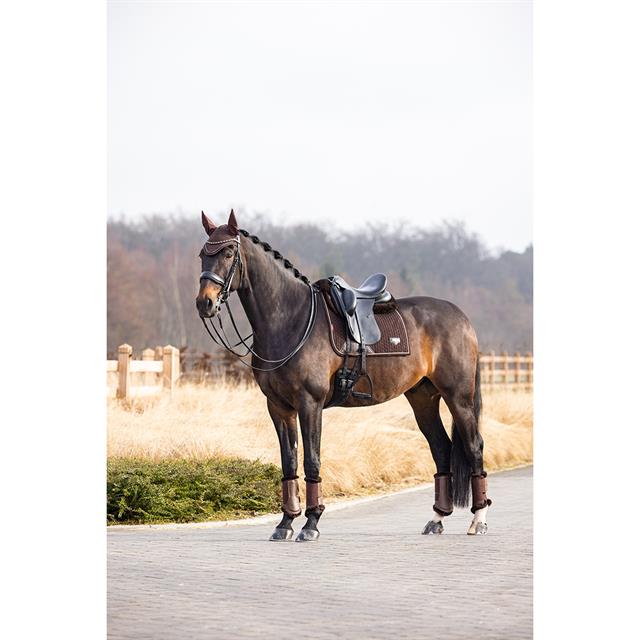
144	491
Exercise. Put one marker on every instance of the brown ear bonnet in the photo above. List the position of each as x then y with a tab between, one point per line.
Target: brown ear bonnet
219	237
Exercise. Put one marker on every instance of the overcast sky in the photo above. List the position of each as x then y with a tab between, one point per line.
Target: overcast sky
343	113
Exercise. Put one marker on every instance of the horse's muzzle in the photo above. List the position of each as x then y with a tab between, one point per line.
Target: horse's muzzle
208	300
207	306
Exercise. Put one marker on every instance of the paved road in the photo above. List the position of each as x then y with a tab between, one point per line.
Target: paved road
371	575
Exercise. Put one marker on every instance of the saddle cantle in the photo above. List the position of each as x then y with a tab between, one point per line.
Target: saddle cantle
356	305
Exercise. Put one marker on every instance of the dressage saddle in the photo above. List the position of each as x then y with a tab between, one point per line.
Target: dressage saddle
356	305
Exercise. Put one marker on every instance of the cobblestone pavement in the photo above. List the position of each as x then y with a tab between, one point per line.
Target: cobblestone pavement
371	575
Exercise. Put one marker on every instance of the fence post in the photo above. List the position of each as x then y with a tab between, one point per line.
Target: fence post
124	375
492	367
505	366
530	368
159	351
170	367
517	371
149	376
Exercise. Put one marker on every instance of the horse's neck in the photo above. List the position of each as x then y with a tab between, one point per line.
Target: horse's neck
276	303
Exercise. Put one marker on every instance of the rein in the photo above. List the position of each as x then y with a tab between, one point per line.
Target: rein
222	298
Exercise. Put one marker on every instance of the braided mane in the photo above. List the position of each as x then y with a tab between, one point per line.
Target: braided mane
276	255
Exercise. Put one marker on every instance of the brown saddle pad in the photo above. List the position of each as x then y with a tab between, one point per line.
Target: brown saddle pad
394	341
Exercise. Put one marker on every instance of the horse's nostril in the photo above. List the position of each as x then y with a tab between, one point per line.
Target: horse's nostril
209	304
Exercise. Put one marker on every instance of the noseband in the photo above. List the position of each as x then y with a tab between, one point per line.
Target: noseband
225	283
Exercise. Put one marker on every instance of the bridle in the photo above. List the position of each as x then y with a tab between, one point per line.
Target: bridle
222	298
225	283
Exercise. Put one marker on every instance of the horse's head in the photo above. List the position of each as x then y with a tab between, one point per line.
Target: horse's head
221	265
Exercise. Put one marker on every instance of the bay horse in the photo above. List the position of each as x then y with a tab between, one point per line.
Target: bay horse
294	365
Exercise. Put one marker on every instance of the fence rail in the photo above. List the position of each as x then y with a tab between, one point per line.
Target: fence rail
160	368
504	370
158	371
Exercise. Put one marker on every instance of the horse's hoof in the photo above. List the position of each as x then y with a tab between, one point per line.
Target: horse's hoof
281	535
433	528
477	529
308	535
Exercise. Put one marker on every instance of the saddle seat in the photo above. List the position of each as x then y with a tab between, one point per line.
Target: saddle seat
375	286
356	305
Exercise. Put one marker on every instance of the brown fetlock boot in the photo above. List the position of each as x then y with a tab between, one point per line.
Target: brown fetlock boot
290	508
314	510
314	497
479	492
443	501
443	505
479	501
291	498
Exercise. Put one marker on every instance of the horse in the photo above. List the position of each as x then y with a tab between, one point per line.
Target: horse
295	366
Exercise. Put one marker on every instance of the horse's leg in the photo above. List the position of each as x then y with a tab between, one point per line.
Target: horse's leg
287	430
311	426
466	458
425	402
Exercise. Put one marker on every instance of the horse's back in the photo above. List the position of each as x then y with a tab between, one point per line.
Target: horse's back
432	311
439	326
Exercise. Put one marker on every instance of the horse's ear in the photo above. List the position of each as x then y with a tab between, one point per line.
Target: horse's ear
232	224
209	227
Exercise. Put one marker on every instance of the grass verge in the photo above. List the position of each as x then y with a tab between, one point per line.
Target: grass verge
143	491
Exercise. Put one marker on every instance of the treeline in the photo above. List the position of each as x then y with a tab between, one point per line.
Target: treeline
153	269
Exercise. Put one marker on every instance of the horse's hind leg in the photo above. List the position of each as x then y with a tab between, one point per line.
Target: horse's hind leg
467	459
425	402
287	430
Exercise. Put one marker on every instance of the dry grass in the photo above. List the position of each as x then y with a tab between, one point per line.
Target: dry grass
363	450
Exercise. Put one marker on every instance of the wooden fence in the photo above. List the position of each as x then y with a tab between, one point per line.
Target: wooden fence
199	367
160	368
158	371
505	370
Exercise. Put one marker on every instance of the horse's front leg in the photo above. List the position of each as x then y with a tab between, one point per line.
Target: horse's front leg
287	430
310	413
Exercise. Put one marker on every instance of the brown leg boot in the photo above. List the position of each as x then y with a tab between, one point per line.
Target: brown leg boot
315	507
480	502
443	505
291	509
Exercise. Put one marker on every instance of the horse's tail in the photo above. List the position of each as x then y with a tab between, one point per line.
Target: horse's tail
460	466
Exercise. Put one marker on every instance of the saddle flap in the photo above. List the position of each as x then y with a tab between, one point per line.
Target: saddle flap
369	329
350	300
